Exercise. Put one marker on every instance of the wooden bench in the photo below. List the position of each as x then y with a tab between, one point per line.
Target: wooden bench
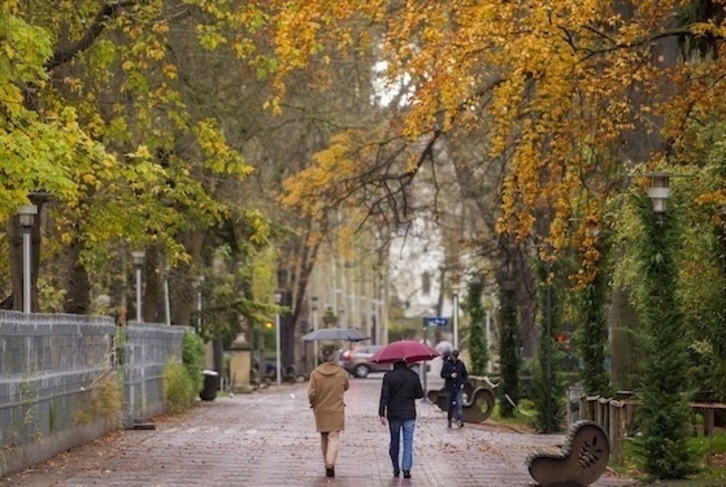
582	461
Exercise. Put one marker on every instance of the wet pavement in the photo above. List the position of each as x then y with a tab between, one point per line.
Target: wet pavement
268	438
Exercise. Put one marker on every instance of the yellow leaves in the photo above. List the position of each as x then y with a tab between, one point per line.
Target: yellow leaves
169	71
89	179
142	152
328	176
9	51
210	37
156	52
220	157
261	229
160	27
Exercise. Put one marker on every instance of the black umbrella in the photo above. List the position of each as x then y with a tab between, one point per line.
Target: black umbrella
347	334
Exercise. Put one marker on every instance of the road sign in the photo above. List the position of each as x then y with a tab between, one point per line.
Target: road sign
435	321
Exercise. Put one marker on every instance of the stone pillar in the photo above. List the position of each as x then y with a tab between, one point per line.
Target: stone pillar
209	356
240	364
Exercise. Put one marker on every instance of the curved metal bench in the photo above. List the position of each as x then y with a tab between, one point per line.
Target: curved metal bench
477	409
434	394
583	458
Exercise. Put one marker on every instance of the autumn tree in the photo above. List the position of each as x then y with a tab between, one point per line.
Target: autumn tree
478	345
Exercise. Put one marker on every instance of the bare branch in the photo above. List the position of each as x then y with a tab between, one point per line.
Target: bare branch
106	12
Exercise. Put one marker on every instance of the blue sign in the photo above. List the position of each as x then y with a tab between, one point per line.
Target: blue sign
435	321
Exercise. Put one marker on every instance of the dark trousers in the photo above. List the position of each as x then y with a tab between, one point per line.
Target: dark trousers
455	403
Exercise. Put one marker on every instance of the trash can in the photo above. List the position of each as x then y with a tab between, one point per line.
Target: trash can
210	386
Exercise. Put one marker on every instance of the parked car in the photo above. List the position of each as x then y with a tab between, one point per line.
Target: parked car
270	365
357	361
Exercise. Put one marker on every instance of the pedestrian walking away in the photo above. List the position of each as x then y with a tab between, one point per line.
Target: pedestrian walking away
399	391
455	373
328	383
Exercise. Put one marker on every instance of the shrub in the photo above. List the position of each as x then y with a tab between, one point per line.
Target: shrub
179	389
193	359
183	381
105	401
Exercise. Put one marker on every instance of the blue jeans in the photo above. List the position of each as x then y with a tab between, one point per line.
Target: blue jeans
397	427
455	400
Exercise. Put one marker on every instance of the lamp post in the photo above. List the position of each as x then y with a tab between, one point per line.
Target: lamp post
547	281
167	304
200	285
456	317
314	300
664	372
26	215
377	321
278	300
548	350
487	335
138	256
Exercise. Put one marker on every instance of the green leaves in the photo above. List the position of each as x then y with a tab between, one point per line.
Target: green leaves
23	49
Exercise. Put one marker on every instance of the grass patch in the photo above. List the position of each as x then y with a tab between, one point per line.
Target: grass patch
711	474
521	420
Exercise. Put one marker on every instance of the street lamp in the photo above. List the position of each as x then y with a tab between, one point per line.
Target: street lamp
314	300
26	215
456	317
658	190
377	321
278	300
547	262
665	357
167	304
138	256
548	318
200	285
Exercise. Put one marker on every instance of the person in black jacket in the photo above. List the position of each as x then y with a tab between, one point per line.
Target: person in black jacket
401	387
454	371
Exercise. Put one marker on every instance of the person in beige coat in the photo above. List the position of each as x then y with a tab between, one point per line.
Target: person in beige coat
328	383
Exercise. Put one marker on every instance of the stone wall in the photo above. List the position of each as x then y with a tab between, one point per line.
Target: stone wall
147	347
53	369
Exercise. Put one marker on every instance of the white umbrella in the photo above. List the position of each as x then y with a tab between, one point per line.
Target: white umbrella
444	346
347	334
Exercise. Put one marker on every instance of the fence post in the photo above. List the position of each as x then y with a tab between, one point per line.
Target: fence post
617	427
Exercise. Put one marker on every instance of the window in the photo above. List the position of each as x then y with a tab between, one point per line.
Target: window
426	283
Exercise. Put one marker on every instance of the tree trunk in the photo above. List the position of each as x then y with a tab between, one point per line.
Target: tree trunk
623	321
151	279
183	282
294	297
77	300
637	146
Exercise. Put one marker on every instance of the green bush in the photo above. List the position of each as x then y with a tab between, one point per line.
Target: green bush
193	359
183	381
179	392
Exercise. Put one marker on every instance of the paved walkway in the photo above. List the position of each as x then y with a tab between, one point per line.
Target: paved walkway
268	439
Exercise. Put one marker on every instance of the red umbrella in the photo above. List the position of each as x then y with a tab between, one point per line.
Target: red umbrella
408	350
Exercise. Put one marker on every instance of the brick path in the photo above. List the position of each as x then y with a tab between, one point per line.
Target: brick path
268	439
